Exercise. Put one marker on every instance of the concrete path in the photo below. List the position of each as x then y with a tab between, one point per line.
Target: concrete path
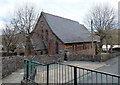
86	64
112	66
17	76
94	65
0	71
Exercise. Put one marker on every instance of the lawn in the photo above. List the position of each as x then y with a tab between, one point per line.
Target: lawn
1	57
104	53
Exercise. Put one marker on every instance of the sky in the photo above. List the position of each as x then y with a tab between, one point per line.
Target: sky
71	9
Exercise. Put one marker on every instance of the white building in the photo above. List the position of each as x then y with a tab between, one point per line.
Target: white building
108	47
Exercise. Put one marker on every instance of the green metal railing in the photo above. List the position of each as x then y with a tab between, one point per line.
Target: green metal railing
66	74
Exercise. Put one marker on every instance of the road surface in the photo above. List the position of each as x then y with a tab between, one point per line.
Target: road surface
110	67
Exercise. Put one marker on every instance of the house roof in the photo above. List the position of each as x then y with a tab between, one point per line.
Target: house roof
67	30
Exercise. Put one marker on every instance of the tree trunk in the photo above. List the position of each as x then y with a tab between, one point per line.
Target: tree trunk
100	45
111	48
28	46
107	49
7	52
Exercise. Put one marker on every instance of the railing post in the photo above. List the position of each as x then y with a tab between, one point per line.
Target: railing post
118	81
75	75
24	70
47	74
27	71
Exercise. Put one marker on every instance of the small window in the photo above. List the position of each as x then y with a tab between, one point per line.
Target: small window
46	35
42	24
57	48
42	32
73	47
83	46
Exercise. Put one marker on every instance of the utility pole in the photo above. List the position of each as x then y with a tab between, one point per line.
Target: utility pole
92	38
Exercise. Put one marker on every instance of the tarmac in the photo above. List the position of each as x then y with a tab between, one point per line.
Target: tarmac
16	77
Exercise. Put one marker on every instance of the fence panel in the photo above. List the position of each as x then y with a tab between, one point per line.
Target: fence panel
65	74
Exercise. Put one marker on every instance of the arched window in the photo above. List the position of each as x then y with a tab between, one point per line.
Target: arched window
42	32
46	35
57	48
42	24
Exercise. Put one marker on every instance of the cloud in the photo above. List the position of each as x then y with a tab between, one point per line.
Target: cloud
1	25
72	9
4	19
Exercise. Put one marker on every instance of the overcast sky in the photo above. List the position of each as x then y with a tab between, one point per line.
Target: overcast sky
72	9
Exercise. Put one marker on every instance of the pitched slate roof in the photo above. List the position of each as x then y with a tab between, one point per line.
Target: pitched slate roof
67	30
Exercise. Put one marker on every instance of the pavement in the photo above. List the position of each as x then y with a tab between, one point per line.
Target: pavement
17	76
95	65
0	71
86	64
112	66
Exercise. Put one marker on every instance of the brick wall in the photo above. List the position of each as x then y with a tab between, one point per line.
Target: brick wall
83	48
49	38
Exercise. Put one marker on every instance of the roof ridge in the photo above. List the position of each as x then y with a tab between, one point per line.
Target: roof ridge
61	17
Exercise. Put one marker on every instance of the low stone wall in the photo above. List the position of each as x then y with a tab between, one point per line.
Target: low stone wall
80	57
109	56
12	63
83	57
46	59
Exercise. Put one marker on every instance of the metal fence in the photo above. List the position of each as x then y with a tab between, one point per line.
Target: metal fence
57	73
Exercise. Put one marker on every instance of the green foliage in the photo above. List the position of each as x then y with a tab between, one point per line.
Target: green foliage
104	53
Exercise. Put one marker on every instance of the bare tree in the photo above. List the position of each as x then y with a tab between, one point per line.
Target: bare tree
111	38
26	18
10	38
103	19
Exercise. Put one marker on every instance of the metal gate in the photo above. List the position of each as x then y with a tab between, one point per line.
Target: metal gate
57	73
